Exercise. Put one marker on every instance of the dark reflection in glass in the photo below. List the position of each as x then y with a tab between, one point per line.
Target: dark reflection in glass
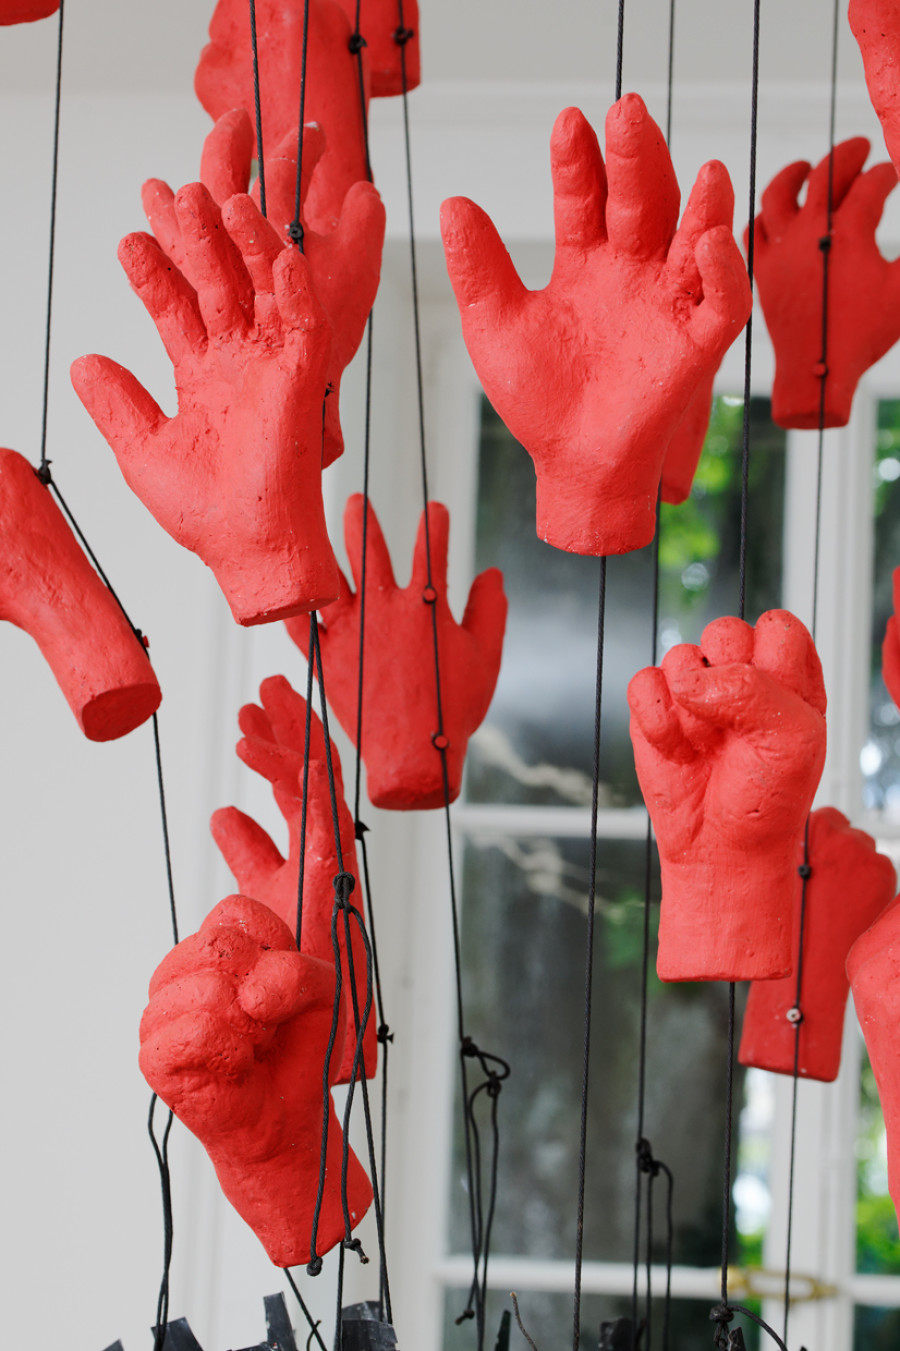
535	746
875	1329
877	1241
523	958
880	756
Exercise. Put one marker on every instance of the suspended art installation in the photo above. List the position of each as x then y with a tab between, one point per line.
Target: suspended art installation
224	80
729	744
873	968
876	27
50	590
344	264
379	24
279	1333
863	287
401	738
848	886
236	475
273	745
233	1040
26	11
595	373
890	648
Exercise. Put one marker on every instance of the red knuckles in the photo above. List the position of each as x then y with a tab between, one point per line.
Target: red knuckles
235	475
873	967
49	589
273	746
26	11
729	744
876	27
594	373
399	720
233	1040
890	648
863	288
849	886
379	24
224	80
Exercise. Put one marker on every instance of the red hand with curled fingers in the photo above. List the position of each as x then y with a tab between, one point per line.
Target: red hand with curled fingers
399	719
235	475
595	373
729	744
863	287
876	27
273	746
234	1041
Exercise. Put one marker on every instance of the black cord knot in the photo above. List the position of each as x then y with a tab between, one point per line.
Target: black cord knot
794	1015
429	595
804	871
494	1084
354	1245
440	741
468	1047
356	44
384	1034
314	1266
466	1313
360	829
401	37
142	638
343	886
295	232
645	1160
43	473
721	1314
825	243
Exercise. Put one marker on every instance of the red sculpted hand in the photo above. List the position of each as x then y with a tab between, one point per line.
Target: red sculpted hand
235	475
49	589
863	288
594	373
379	24
399	720
233	1041
729	743
849	886
224	80
876	27
25	11
890	648
273	744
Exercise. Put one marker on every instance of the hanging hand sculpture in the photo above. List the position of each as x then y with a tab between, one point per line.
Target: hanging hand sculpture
594	373
729	743
234	1041
876	27
236	474
344	265
26	11
849	885
890	648
863	287
273	745
332	98
401	738
49	589
379	25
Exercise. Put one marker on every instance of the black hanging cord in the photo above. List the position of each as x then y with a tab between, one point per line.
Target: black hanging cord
295	229
53	194
258	110
313	1326
301	869
620	46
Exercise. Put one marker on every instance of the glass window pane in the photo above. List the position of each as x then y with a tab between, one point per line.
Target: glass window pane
880	758
877	1241
536	744
875	1329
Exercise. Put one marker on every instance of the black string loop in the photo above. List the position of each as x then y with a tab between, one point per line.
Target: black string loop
384	1034
403	35
356	43
344	884
354	1245
645	1159
296	233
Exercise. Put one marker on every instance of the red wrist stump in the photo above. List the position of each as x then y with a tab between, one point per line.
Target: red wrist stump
729	744
273	746
379	24
233	1041
400	743
863	288
876	27
26	11
49	589
848	887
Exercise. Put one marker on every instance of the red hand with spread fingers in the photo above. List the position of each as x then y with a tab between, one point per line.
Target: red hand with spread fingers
235	475
863	287
849	885
729	744
890	648
233	1040
273	746
876	27
49	589
224	80
26	11
379	26
594	374
399	720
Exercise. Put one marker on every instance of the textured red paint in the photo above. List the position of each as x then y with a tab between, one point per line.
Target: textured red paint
378	22
49	589
594	373
863	288
233	1040
224	80
344	265
873	967
272	745
849	887
683	455
729	743
26	11
890	648
876	27
403	766
236	474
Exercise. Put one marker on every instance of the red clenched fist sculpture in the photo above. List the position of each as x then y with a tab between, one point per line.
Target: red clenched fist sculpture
379	24
399	719
273	745
224	80
49	589
876	27
729	743
594	373
863	288
873	967
26	11
849	886
233	1041
235	475
890	648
